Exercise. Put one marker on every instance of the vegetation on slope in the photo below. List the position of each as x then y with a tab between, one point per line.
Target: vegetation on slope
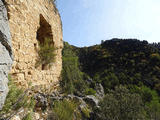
66	110
73	80
130	65
128	70
121	104
16	99
123	62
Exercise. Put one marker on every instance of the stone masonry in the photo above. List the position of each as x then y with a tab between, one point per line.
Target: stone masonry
31	21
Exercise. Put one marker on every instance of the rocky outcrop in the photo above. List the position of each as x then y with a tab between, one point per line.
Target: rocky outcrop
31	21
91	100
5	53
42	101
99	91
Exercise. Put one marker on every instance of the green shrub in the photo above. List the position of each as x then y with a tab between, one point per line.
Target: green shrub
155	57
28	117
120	104
72	77
31	103
90	91
65	109
12	97
46	52
16	99
86	112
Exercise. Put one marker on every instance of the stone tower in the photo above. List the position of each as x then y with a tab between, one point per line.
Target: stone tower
31	21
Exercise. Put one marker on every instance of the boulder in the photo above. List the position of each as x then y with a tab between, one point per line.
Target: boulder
42	101
16	117
91	100
6	57
56	96
99	91
37	116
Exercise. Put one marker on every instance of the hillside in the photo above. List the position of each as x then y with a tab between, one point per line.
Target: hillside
128	63
131	61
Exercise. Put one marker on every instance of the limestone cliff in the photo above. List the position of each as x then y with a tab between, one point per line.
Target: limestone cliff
30	22
5	53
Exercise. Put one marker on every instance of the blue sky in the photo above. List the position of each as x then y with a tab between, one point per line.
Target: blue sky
87	22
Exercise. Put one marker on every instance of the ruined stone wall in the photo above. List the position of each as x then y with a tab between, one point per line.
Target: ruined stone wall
30	21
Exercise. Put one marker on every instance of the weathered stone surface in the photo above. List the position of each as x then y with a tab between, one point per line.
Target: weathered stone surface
16	117
31	21
42	102
5	53
91	100
99	91
37	116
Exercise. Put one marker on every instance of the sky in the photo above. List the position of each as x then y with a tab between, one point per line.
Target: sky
87	22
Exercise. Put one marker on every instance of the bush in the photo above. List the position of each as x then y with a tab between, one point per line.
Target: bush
16	99
28	117
155	56
120	104
46	52
65	109
12	97
72	77
86	112
90	91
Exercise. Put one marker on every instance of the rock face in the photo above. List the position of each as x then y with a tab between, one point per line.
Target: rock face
91	100
99	91
31	21
5	53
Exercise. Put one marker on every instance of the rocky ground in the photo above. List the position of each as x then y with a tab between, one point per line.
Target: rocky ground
44	103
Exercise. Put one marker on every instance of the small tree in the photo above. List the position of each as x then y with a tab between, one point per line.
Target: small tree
120	104
72	77
46	52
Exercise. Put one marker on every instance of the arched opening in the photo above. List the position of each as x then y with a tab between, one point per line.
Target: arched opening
46	44
44	30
